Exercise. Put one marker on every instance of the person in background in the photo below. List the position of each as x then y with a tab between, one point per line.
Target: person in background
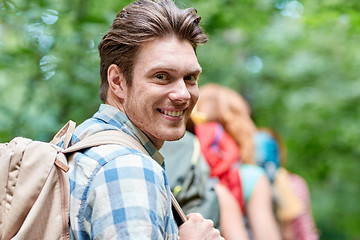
290	191
149	73
227	141
196	191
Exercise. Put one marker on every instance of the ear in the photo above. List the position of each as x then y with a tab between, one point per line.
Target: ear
116	80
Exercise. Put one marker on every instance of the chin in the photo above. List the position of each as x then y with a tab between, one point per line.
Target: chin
175	136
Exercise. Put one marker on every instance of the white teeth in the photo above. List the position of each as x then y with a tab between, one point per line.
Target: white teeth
173	113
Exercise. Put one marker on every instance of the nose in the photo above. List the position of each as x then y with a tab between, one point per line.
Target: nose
179	92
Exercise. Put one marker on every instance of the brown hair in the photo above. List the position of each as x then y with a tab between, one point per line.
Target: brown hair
232	111
140	22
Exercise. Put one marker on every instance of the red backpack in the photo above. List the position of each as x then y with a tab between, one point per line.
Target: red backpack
222	154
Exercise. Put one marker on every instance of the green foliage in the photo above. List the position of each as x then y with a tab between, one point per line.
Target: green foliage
296	62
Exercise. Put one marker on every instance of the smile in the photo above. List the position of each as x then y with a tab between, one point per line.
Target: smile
172	113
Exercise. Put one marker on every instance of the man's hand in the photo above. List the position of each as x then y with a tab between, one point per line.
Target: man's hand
198	228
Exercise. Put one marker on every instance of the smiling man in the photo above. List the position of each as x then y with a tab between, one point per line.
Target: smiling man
163	90
149	73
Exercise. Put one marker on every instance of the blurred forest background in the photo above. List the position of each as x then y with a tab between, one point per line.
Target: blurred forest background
296	62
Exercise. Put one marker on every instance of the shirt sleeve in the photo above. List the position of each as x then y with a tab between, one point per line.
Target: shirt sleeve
129	198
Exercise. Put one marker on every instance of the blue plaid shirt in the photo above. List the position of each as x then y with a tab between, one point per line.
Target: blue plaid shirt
118	192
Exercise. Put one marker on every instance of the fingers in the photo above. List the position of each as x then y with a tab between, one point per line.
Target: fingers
195	216
215	234
204	227
198	219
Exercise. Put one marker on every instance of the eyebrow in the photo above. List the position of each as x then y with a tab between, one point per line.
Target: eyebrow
196	71
191	71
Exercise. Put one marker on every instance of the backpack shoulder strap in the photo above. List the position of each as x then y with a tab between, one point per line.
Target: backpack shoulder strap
67	131
196	151
107	137
122	138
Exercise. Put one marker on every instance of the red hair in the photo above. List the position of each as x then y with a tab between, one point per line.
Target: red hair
232	111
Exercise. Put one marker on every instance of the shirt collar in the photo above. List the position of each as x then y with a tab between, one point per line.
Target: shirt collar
115	117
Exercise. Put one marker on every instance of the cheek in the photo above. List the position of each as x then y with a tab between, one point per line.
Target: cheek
194	92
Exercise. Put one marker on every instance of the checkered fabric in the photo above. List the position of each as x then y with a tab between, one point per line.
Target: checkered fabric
304	225
118	192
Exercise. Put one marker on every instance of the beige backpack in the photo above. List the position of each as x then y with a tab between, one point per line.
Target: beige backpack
34	183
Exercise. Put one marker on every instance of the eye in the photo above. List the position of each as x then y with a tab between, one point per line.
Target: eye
191	78
161	76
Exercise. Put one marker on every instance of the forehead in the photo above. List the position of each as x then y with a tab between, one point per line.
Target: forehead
168	53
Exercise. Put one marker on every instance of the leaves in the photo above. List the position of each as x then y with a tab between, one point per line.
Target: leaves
296	62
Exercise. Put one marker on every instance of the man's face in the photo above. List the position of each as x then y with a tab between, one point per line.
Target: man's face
164	89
